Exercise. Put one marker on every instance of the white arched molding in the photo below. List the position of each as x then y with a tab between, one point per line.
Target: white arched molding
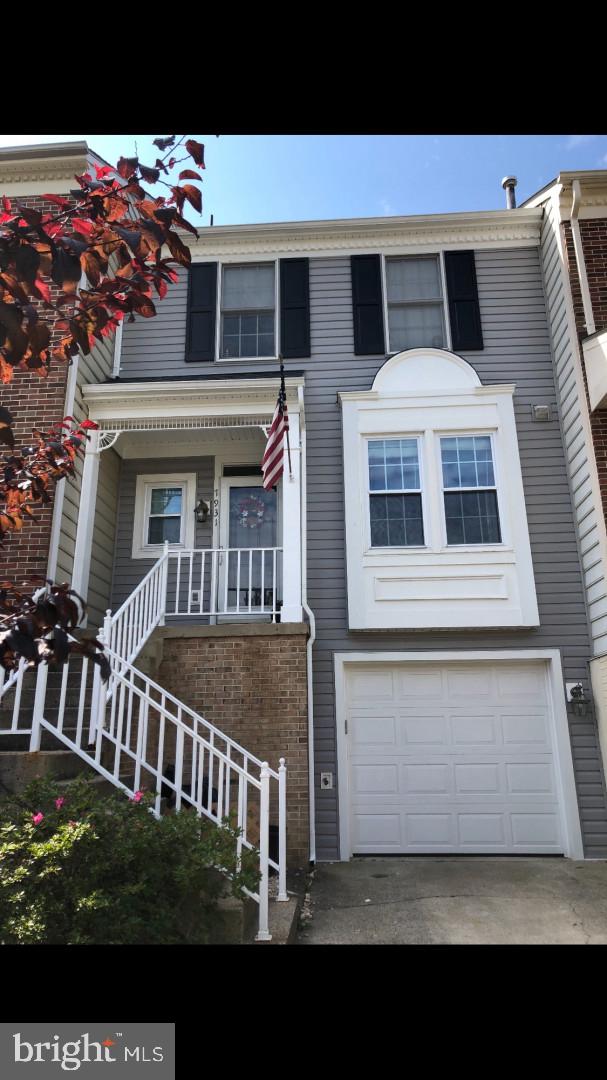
426	394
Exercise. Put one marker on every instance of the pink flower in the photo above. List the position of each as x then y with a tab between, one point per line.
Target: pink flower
59	802
137	797
37	818
72	824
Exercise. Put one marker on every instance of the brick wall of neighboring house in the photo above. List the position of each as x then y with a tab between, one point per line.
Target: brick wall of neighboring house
594	242
250	682
34	402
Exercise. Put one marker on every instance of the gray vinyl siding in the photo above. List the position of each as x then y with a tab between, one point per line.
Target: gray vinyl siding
128	572
581	465
95	368
99	592
516	349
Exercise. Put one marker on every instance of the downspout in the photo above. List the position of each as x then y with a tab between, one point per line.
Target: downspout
579	257
312	621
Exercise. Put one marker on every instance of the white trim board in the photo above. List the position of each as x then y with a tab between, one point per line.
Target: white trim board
570	818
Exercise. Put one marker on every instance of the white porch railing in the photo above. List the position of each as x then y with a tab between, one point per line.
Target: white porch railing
224	581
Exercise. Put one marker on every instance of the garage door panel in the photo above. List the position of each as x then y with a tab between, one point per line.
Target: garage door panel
473	775
525	729
526	778
478	778
468	730
466	684
423	685
373	730
371	685
423	730
434	778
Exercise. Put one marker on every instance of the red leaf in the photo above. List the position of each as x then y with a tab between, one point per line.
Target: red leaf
102	171
196	151
6	203
85	227
42	289
86	424
189	174
193	196
127	166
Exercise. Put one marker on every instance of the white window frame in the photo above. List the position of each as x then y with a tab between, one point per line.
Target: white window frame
394	256
491	434
418	437
255	260
146	482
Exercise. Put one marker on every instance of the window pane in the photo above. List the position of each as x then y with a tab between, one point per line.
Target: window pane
266	345
164	528
396	520
245	338
166	501
246	287
415	326
472	517
467	462
413	279
401	471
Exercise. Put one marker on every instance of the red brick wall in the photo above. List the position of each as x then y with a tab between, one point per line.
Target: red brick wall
594	242
34	403
254	689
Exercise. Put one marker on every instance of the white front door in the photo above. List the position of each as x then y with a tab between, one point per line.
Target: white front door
452	757
250	564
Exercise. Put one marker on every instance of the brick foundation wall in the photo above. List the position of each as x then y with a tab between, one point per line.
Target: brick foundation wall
594	243
253	687
34	402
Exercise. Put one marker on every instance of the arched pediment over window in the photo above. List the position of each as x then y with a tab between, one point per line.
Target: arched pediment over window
426	370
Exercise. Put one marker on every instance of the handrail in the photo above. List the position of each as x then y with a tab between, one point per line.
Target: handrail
225	581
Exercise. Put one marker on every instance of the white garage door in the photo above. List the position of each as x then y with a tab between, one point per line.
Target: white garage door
451	757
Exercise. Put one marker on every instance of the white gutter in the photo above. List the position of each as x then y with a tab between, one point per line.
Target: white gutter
310	614
579	257
117	349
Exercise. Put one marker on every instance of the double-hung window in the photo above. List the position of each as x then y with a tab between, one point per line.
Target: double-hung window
469	490
164	511
395	493
416	310
248	311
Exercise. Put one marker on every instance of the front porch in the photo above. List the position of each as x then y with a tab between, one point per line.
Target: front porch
179	464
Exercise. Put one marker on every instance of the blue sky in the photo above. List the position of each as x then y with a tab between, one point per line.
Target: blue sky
255	178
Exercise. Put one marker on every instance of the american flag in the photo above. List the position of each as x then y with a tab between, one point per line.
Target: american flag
271	465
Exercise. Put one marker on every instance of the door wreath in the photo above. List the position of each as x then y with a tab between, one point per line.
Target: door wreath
251	512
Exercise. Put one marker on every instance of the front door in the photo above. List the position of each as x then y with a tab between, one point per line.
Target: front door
250	564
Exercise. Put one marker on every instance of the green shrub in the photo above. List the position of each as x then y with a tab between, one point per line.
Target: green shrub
101	869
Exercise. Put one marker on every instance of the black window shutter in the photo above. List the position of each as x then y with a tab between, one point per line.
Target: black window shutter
202	308
367	305
464	311
294	308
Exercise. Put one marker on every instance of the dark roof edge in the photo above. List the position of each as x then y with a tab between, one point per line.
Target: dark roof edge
214	376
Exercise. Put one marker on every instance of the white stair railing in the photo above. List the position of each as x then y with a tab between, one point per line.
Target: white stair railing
145	737
128	629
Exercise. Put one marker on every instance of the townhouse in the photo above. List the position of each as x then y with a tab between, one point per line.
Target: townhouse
404	617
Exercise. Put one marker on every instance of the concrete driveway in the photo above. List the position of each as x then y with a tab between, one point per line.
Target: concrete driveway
457	901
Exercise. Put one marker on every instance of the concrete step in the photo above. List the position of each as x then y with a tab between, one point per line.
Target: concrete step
18	767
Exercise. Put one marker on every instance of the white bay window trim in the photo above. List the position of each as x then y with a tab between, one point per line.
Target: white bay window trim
441	585
146	483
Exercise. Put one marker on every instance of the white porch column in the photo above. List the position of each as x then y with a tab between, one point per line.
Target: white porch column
86	516
291	527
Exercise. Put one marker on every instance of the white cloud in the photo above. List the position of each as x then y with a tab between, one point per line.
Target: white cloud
578	140
386	207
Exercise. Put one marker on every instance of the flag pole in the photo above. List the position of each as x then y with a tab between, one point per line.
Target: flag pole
283	396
